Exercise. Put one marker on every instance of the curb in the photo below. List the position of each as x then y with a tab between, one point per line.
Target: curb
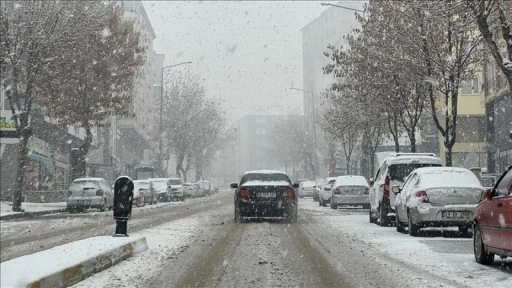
30	214
71	275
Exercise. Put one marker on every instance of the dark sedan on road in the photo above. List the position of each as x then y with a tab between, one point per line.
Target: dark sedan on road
265	194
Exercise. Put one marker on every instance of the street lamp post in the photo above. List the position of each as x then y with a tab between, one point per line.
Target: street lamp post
160	142
314	125
339	6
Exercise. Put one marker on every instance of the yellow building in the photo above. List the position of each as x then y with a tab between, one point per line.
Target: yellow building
470	147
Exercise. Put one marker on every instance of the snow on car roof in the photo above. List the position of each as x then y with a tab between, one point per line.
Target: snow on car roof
266	183
434	177
351	180
411	158
264	172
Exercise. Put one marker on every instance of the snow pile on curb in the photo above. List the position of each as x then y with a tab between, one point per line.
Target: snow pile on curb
69	264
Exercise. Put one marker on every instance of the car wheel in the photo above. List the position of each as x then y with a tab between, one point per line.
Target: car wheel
413	228
463	230
481	256
324	204
372	219
399	225
334	206
104	207
383	217
238	217
319	202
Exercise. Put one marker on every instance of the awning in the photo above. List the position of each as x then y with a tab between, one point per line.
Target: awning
41	159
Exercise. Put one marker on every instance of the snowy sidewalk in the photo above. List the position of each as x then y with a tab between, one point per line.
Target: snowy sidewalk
31	209
68	264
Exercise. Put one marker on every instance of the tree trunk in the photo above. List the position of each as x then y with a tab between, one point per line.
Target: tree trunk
22	162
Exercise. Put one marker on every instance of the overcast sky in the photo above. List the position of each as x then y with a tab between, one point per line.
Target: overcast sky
249	53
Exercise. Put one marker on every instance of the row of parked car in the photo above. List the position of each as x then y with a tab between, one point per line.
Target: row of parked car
85	193
412	191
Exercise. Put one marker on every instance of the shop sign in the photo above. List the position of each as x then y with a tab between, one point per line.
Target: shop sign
37	145
7	128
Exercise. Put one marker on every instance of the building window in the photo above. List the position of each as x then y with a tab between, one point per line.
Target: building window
470	86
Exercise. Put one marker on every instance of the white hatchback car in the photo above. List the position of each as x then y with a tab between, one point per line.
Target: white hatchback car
350	190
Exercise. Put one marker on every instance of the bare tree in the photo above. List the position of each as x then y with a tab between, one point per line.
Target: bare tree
192	122
493	18
32	36
93	77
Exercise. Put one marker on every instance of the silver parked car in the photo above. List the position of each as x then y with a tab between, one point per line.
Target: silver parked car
437	197
307	189
85	193
350	190
144	186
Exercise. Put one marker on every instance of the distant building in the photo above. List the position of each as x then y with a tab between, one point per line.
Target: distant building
249	148
327	29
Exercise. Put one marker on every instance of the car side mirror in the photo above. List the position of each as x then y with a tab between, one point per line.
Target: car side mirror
372	181
295	185
395	189
234	185
486	195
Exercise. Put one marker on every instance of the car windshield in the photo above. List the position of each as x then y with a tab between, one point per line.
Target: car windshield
258	106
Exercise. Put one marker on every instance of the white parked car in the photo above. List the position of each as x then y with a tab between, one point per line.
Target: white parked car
87	193
175	189
392	172
437	197
324	195
307	189
350	190
159	185
189	189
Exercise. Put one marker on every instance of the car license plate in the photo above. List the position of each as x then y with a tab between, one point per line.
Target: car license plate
266	195
455	214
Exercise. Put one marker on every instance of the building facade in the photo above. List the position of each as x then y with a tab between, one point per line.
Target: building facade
327	29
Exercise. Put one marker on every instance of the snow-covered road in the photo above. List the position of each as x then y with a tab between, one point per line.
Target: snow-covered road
199	245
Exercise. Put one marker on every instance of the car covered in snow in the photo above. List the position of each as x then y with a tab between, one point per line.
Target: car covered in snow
350	190
85	193
393	171
437	197
205	187
324	195
265	194
159	185
307	189
492	227
144	187
175	189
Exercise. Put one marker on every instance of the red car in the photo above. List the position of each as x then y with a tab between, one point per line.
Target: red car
492	229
